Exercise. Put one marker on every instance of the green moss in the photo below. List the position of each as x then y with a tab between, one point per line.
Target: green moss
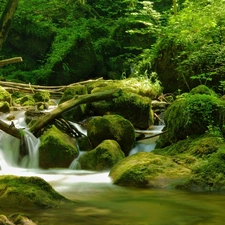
202	89
113	127
142	87
56	149
28	192
103	157
209	174
73	91
27	100
5	96
147	169
43	96
133	107
193	115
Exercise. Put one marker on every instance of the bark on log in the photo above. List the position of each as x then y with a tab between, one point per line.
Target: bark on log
9	129
10	61
43	120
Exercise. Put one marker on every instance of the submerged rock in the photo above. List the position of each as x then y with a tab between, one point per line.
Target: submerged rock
26	192
56	149
103	157
113	127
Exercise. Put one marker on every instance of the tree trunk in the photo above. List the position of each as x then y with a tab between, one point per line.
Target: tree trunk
10	129
175	7
43	120
6	19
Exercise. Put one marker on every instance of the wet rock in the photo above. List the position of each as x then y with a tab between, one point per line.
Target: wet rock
113	127
145	169
43	96
25	192
56	149
4	107
103	157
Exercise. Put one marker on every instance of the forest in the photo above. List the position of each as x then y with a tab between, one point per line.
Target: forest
177	43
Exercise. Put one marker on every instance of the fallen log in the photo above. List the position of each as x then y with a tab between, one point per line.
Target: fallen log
10	129
55	91
45	119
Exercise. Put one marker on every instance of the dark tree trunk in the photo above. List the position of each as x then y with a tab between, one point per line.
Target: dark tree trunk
6	19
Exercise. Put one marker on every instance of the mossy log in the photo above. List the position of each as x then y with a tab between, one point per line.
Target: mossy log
99	96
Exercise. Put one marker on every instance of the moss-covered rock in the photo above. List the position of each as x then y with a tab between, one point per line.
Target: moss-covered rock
26	100
73	91
143	87
56	149
133	107
103	157
203	155
193	115
84	143
113	127
209	174
146	169
202	89
43	96
79	112
5	96
27	192
4	107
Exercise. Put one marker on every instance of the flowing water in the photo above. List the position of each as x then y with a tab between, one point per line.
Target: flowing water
98	201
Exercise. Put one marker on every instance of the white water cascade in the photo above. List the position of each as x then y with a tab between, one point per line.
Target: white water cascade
10	158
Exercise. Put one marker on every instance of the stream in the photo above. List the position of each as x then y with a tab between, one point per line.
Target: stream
101	202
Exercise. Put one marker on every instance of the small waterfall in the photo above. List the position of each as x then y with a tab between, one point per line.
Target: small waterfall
10	151
32	143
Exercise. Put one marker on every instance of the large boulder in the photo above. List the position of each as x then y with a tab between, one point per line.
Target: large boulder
193	114
145	169
204	155
113	127
56	149
133	107
28	192
103	157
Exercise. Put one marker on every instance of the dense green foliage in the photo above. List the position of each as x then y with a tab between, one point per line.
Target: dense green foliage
64	42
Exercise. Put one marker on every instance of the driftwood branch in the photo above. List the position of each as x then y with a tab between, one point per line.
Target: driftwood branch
45	119
10	61
55	91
